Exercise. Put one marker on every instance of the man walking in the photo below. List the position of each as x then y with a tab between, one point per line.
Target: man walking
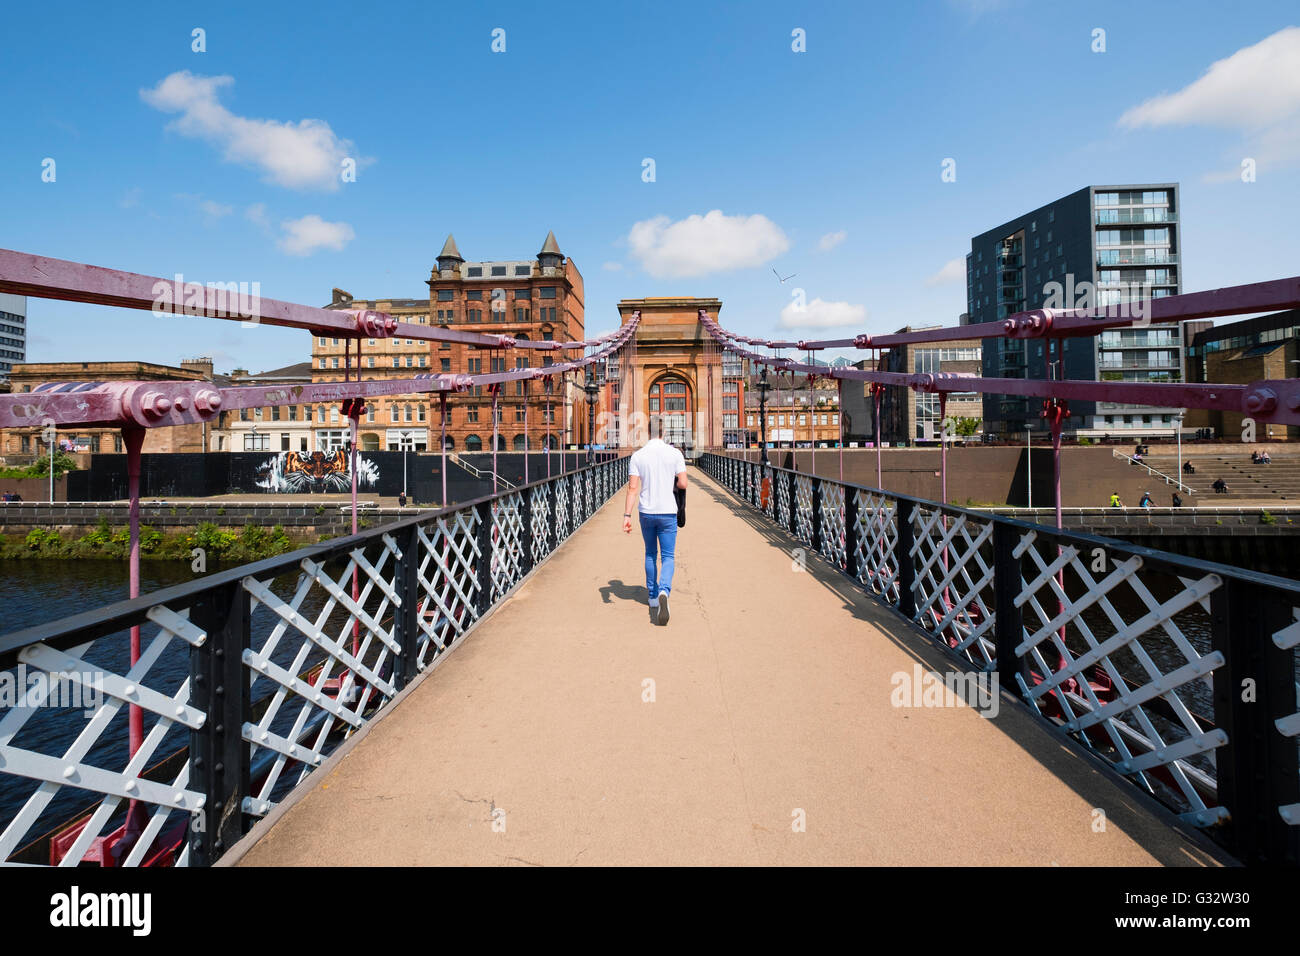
654	471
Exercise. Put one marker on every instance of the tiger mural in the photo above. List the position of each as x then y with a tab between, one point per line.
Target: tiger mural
294	471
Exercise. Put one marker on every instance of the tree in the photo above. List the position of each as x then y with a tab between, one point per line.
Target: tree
961	427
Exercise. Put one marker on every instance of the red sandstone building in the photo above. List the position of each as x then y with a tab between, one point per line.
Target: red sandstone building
539	299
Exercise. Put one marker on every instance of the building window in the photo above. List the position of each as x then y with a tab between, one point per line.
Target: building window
275	413
471	413
523	270
257	442
446	295
284	441
446	364
498	270
547	292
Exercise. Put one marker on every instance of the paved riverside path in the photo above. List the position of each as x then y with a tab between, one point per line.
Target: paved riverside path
771	696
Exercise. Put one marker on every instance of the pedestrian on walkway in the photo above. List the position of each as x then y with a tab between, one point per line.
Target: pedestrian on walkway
655	470
1114	500
1146	500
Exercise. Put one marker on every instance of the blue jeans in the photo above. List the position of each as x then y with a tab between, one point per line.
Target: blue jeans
660	534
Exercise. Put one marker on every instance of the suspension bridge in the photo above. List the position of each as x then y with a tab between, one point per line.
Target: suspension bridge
289	711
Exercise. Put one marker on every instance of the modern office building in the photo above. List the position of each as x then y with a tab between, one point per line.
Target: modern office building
539	298
13	332
1101	246
1238	353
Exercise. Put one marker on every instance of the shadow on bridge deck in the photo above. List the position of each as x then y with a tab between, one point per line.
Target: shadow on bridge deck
771	699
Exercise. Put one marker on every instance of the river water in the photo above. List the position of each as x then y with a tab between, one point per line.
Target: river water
38	592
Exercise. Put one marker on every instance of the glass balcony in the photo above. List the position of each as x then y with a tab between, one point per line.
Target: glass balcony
1133	217
1135	257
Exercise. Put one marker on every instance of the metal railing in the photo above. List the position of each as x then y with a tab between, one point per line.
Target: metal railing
250	677
1151	471
1180	674
483	474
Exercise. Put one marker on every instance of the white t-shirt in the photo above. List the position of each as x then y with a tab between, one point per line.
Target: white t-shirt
657	464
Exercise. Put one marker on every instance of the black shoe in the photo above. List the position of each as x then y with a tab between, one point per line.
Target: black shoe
663	608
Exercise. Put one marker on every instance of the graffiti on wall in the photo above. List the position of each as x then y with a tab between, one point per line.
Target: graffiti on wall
316	472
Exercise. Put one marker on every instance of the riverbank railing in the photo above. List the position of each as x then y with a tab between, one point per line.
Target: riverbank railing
249	677
1179	674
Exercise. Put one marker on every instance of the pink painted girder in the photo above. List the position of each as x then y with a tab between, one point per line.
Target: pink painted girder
41	277
159	404
1267	400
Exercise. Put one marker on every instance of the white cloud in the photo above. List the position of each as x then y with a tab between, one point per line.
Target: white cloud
613	267
954	270
1255	90
1255	87
302	155
832	239
211	209
256	213
699	245
310	233
822	315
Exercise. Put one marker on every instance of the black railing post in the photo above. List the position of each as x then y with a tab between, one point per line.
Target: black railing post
406	623
851	532
1256	769
483	600
903	559
815	532
793	518
1008	627
526	538
219	758
553	518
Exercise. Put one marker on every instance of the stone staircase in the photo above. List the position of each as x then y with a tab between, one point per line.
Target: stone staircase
1277	482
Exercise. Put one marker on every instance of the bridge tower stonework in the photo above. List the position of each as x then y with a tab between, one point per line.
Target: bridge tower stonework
674	371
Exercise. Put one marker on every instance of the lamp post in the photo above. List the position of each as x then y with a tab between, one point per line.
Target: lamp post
1178	429
593	391
763	386
406	444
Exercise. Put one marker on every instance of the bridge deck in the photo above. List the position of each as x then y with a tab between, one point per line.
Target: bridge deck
772	694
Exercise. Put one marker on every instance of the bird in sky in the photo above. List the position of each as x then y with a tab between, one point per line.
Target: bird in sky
783	281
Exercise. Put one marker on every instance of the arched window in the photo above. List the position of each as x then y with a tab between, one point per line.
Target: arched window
551	442
450	443
501	442
670	399
519	443
473	443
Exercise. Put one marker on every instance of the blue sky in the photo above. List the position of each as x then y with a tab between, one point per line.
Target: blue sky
825	163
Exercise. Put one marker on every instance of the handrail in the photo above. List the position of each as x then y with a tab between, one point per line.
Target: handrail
1116	453
989	590
310	663
480	473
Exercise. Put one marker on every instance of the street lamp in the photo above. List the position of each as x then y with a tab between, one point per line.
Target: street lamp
763	386
593	391
1178	429
406	443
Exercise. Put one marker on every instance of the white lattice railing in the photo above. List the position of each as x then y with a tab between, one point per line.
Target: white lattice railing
248	679
1118	646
